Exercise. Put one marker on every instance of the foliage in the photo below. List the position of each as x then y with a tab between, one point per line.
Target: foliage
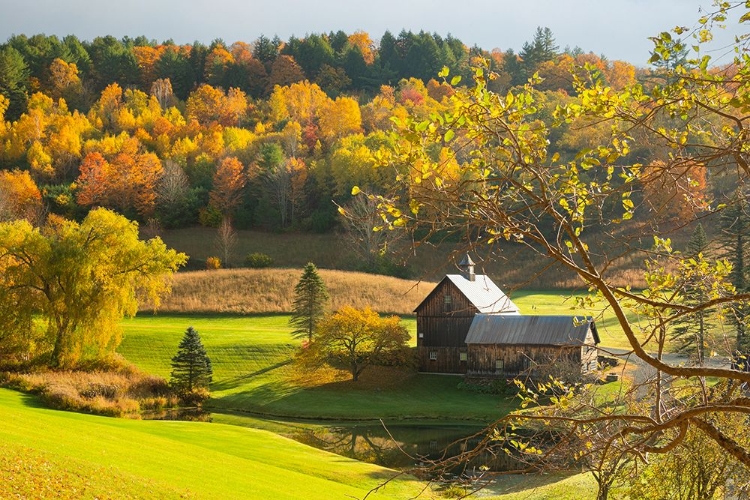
357	338
191	366
257	260
310	300
116	392
213	263
65	287
510	186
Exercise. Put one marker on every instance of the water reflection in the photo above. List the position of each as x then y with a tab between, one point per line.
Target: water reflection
408	446
193	414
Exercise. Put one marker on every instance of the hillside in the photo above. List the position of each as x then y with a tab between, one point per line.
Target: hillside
84	456
248	291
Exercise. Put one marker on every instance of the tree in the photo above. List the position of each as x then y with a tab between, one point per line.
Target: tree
734	223
191	366
229	180
226	241
357	338
310	299
691	331
511	187
78	281
19	196
14	74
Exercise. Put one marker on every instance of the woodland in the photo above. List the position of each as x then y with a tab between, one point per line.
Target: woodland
270	135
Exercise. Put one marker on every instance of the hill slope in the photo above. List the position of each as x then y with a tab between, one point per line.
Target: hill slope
52	454
247	291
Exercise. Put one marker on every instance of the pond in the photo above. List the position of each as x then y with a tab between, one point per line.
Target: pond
393	445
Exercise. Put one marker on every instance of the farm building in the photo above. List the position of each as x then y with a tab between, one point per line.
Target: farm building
512	346
445	315
467	325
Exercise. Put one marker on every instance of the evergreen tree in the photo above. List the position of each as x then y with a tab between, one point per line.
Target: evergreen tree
191	367
310	298
690	332
14	76
735	222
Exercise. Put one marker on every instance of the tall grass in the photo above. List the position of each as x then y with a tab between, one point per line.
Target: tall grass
247	291
122	393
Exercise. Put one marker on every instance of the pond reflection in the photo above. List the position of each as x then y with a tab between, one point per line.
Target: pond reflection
408	446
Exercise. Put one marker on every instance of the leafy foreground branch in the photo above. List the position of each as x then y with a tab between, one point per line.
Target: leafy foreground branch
482	170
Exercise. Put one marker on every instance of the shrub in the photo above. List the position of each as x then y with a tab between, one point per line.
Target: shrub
213	263
258	260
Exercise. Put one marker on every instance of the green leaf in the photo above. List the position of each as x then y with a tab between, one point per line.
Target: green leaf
455	80
355	190
449	135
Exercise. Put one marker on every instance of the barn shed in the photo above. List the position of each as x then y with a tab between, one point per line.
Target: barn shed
515	345
445	315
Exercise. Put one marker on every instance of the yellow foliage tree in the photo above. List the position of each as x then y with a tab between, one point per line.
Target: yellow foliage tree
78	281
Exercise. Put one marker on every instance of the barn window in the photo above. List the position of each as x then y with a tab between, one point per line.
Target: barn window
447	303
462	356
499	365
433	355
420	335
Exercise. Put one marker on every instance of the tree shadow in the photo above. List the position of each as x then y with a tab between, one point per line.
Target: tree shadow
231	383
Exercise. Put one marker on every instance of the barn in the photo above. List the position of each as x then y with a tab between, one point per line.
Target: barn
445	315
506	346
467	325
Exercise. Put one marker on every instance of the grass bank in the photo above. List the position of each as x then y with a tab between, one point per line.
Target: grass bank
52	454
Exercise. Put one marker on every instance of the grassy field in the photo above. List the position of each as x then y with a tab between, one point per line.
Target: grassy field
51	454
253	372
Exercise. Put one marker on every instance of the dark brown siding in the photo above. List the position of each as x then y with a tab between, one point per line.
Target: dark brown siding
517	359
447	359
443	330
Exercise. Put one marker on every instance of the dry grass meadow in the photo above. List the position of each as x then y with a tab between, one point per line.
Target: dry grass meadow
251	291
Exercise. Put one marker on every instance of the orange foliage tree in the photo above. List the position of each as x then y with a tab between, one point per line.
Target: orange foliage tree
19	196
229	180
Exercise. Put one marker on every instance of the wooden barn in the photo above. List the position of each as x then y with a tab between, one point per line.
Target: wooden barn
445	315
518	346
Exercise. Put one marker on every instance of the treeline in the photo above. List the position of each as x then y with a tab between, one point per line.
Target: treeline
339	63
270	135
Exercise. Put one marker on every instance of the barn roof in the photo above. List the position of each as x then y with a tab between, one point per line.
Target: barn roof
530	330
482	292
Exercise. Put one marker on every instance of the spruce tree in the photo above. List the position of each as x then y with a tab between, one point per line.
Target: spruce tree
191	367
310	299
690	332
735	222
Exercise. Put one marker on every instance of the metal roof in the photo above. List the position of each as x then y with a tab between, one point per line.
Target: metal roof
530	330
484	294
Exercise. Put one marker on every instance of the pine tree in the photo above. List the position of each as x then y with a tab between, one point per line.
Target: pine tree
310	298
690	332
191	367
735	222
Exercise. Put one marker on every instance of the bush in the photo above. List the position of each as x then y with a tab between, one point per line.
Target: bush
213	263
196	397
258	260
495	386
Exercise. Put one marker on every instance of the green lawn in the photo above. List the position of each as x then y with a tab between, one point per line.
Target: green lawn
53	454
253	371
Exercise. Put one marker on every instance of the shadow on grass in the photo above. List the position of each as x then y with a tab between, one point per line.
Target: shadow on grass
234	382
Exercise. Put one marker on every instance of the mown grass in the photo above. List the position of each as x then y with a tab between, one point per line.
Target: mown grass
254	372
51	454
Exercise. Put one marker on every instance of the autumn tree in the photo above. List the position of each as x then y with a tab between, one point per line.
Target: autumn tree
357	338
20	197
191	366
77	281
309	306
229	180
512	188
